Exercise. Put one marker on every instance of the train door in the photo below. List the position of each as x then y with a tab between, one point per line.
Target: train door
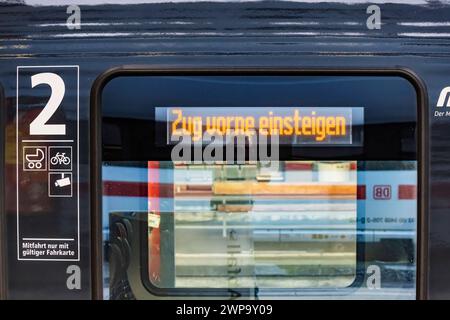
258	184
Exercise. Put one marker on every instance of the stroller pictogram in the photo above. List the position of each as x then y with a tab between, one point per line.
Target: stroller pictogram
35	160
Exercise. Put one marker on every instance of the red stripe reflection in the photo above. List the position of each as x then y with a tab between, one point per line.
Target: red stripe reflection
141	189
407	192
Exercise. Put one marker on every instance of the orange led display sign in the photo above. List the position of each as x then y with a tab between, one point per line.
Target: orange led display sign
293	125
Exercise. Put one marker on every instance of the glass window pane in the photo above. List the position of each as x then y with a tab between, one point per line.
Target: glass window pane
289	224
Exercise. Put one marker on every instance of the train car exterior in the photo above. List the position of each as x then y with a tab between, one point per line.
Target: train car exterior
97	205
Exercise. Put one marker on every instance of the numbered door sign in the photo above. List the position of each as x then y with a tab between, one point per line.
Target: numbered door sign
47	163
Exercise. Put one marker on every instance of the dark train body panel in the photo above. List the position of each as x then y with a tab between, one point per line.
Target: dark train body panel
264	37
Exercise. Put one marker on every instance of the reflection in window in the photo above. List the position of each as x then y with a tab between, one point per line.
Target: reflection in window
288	224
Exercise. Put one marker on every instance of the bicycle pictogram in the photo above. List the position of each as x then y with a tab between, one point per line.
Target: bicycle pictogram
60	158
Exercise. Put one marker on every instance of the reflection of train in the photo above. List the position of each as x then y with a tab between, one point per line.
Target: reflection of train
299	212
385	216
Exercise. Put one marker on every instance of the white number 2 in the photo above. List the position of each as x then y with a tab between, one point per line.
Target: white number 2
39	125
